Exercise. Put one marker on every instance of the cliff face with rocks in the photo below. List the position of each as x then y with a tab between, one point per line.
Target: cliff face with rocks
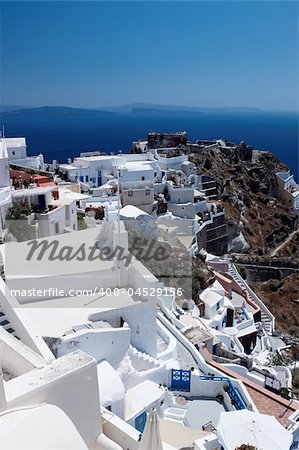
258	220
282	297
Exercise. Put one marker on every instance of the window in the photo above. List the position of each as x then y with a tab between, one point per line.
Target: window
218	306
155	174
142	178
86	178
130	193
147	192
13	152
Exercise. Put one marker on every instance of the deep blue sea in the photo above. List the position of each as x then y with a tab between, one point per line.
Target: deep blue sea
63	137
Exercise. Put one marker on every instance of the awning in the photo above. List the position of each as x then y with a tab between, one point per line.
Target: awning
246	427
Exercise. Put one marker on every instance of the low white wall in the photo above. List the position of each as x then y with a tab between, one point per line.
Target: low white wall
207	443
102	344
202	364
205	388
245	373
119	431
171	350
199	359
16	357
21	323
141	319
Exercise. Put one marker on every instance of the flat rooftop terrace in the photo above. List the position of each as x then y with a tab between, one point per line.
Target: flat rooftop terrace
64	254
56	316
179	436
203	410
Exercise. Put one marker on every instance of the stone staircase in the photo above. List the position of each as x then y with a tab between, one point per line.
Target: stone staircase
266	322
2	273
141	361
4	323
265	318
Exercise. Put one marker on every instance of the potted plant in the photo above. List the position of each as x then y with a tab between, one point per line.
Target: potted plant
246	447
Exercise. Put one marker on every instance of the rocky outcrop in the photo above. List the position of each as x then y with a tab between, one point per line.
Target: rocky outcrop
257	218
282	298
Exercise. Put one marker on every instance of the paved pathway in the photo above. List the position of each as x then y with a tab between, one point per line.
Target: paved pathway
288	239
184	357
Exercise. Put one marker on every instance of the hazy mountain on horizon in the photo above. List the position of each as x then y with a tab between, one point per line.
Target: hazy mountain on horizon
134	108
57	111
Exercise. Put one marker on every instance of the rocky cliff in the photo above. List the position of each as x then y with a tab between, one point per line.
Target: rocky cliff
258	220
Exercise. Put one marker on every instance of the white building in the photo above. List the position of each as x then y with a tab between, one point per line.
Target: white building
91	170
17	154
49	216
170	158
54	404
98	170
229	314
4	165
5	195
288	189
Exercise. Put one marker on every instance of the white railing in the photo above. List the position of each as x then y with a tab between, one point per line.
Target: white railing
257	300
203	366
5	196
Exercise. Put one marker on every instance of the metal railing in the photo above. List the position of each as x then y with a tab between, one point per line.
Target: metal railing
234	395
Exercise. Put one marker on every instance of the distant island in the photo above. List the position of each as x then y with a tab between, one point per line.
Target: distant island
57	111
132	108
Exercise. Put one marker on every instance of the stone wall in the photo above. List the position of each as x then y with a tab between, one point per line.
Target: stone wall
160	140
213	237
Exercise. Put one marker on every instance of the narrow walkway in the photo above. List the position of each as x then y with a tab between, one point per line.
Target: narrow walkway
255	206
184	358
265	315
266	401
288	239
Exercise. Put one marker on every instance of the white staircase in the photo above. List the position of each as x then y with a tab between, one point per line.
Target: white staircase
267	318
141	361
266	322
4	323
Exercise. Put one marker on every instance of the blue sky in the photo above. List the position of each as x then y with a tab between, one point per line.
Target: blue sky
98	53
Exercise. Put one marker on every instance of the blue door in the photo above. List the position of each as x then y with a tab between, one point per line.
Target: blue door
99	178
180	380
81	178
140	422
41	202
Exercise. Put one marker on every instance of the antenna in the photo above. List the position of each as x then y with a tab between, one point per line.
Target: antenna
118	222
